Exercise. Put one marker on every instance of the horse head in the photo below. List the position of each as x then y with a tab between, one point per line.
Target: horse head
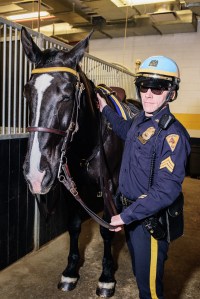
50	93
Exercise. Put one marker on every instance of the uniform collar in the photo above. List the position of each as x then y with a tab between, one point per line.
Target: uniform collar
155	118
158	116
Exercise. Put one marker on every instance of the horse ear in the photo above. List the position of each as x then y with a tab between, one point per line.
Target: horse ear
78	51
30	48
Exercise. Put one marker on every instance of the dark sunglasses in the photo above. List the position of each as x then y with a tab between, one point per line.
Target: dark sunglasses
156	91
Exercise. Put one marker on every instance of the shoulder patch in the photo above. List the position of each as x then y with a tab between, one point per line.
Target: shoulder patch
172	140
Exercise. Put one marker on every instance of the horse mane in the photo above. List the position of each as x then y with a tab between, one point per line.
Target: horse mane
90	91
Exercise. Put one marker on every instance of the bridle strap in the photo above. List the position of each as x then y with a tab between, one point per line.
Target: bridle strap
46	130
55	69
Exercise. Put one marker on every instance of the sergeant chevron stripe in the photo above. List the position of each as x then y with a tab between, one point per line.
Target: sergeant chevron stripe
168	163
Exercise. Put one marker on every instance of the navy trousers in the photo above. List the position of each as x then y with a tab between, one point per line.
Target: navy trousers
148	257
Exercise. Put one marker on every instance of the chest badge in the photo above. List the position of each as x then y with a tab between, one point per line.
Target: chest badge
146	135
172	140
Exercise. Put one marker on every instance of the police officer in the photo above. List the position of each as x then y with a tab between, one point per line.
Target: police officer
146	192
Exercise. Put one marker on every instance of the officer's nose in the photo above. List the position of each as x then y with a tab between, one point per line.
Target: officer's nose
149	92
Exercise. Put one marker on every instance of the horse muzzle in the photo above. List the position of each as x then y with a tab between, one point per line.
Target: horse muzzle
35	182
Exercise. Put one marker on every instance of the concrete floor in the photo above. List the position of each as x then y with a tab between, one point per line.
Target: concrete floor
37	275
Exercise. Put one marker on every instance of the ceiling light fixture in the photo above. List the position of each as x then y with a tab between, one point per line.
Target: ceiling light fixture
122	3
56	29
30	16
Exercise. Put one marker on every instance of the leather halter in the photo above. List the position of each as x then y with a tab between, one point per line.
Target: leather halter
51	70
46	130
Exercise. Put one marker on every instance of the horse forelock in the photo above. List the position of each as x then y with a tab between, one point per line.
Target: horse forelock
48	57
54	57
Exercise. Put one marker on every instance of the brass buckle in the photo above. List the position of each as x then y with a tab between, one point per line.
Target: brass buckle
73	191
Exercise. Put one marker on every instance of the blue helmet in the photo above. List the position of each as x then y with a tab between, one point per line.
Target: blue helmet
159	72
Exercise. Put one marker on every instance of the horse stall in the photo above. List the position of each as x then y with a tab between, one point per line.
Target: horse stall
23	228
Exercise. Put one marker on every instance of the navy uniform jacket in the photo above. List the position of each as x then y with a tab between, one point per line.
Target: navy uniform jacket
172	150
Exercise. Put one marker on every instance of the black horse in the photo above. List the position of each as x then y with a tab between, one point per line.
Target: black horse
64	118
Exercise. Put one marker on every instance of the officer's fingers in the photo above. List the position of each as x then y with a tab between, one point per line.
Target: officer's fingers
98	96
117	220
101	99
117	229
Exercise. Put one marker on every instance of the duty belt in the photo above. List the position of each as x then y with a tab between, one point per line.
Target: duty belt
125	201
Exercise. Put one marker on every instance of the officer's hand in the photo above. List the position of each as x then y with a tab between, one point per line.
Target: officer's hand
117	221
101	101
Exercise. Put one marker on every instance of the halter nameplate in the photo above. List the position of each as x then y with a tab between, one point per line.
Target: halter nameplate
55	69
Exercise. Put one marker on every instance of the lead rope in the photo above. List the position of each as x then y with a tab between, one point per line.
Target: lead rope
69	183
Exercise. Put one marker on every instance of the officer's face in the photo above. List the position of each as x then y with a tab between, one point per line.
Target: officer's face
151	101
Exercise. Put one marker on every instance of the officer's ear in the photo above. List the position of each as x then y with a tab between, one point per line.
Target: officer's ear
173	95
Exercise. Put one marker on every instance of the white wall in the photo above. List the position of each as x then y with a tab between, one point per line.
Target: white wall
184	48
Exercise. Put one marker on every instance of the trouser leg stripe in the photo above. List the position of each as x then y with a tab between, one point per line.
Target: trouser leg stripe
153	267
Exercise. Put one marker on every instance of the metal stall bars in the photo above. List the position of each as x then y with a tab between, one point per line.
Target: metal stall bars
15	71
102	72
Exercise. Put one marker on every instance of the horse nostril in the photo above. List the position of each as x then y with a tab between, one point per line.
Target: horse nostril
29	185
47	178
